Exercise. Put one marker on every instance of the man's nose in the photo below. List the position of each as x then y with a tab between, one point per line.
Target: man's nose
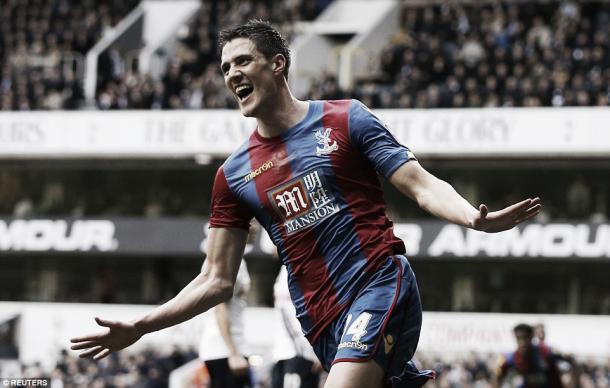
234	74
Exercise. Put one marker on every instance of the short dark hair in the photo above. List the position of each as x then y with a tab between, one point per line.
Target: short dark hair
524	328
266	38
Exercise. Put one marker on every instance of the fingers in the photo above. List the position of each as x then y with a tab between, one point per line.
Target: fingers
531	210
101	354
84	345
96	353
529	213
521	209
88	353
483	211
93	337
508	217
519	206
85	338
97	346
104	322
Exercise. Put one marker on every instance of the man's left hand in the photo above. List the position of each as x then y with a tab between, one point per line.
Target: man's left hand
506	218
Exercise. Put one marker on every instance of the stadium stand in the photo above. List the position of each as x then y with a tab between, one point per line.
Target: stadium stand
535	54
43	46
193	79
489	55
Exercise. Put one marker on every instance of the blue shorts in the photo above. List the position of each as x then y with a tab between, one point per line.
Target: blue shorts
383	324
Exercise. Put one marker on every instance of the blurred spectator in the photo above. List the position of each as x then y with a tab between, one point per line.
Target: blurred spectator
579	198
223	347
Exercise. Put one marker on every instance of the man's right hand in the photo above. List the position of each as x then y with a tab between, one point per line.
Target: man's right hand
118	336
238	364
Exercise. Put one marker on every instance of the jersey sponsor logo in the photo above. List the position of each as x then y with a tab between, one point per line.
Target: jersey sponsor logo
323	139
292	200
256	172
303	201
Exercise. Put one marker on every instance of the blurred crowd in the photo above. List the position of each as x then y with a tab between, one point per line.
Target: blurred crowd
43	44
146	369
445	55
491	55
167	192
151	369
193	79
476	370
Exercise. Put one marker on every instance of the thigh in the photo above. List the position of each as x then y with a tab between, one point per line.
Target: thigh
346	374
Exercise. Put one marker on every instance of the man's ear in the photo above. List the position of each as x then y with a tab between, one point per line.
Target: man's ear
278	63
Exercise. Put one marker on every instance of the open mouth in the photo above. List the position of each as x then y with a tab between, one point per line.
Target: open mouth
243	91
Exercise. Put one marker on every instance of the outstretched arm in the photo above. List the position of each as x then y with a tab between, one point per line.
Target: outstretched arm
440	199
211	287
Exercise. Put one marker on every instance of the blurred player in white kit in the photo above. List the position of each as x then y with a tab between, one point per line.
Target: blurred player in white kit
296	364
223	345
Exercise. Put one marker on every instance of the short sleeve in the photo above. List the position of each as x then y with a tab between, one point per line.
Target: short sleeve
227	210
374	140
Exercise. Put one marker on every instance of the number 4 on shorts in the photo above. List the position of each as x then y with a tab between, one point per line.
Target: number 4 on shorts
358	328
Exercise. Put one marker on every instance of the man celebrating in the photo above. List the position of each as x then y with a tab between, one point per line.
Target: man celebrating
308	174
535	363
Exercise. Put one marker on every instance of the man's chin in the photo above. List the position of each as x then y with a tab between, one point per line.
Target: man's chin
247	111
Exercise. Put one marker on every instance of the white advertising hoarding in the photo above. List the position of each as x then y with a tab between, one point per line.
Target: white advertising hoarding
129	134
503	132
491	132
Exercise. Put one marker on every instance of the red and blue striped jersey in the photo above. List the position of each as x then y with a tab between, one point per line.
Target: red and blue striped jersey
316	191
537	367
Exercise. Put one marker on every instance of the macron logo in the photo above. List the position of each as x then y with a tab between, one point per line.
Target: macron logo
254	173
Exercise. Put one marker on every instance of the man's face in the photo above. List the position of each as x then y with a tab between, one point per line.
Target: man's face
248	75
539	332
524	340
